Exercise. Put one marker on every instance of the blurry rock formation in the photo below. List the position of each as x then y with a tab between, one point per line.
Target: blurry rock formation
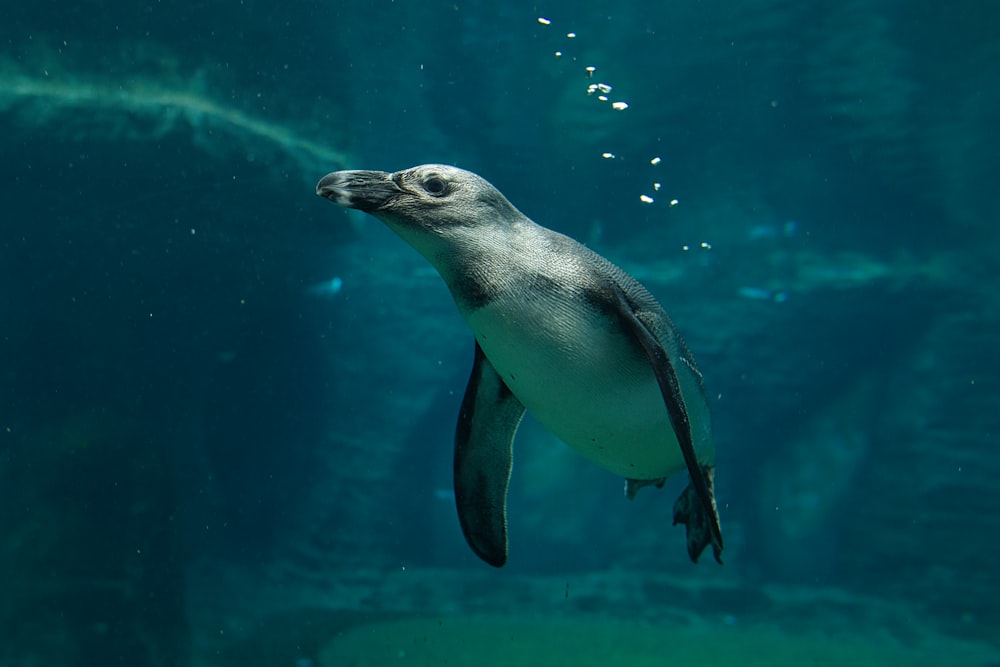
91	563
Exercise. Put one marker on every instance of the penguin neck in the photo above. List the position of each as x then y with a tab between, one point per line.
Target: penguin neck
481	263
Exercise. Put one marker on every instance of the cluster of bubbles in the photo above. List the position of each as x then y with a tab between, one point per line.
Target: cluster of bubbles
602	92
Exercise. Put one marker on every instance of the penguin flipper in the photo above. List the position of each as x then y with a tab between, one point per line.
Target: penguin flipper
696	505
487	422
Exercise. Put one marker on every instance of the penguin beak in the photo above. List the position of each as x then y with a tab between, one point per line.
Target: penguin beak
367	191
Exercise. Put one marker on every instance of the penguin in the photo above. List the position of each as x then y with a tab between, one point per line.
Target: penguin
560	331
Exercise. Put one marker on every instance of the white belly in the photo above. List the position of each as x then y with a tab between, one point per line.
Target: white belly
583	380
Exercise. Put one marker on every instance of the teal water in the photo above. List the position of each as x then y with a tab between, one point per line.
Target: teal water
227	407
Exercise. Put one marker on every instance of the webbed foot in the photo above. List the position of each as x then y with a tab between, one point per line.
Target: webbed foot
702	525
632	486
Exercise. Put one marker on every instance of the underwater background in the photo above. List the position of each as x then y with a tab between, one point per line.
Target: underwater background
227	407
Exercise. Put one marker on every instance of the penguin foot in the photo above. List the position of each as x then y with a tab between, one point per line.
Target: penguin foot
632	486
702	521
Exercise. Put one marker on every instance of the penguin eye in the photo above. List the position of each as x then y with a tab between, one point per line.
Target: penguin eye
435	185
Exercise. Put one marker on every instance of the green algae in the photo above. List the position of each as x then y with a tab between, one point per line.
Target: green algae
504	641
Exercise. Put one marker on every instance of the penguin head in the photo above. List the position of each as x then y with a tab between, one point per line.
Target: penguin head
459	222
432	198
